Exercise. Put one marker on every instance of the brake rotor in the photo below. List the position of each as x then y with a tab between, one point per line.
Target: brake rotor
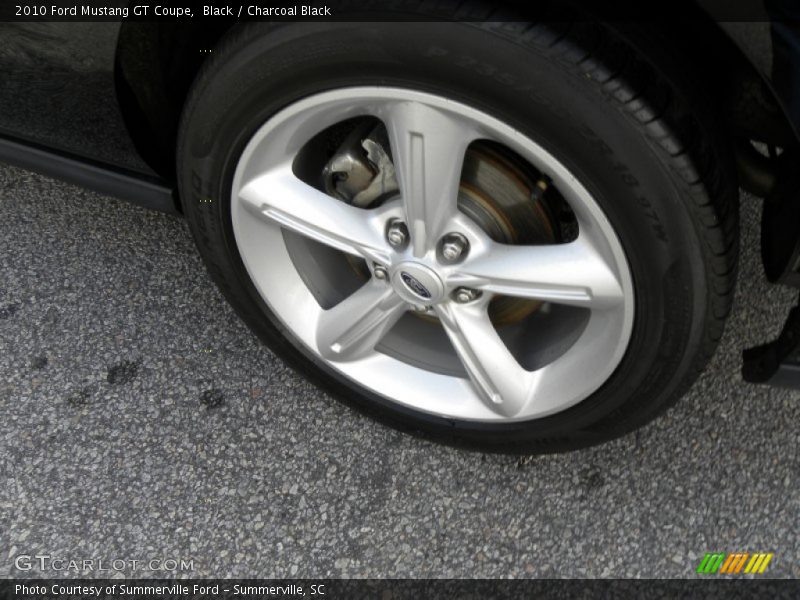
505	197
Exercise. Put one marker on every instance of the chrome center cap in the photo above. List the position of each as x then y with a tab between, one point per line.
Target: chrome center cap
417	284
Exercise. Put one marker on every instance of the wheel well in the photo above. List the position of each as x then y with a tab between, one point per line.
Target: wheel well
749	107
156	64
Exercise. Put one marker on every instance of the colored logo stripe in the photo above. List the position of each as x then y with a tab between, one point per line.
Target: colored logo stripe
711	562
758	563
714	562
734	563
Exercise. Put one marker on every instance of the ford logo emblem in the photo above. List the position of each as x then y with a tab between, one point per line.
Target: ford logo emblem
414	285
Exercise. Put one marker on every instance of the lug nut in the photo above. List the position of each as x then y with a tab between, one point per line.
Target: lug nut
464	295
453	247
380	272
421	308
397	234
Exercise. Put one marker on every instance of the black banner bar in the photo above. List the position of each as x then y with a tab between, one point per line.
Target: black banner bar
710	587
395	10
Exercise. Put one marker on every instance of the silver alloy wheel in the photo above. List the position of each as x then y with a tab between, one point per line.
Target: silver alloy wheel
428	137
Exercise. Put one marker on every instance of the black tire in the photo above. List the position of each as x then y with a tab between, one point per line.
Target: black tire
618	115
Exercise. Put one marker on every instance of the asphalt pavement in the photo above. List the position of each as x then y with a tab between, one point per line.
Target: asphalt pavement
141	420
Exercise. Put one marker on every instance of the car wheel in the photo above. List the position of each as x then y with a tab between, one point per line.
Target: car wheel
487	235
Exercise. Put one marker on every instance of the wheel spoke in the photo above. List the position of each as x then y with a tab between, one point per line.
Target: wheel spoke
502	384
573	273
351	329
280	197
428	147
